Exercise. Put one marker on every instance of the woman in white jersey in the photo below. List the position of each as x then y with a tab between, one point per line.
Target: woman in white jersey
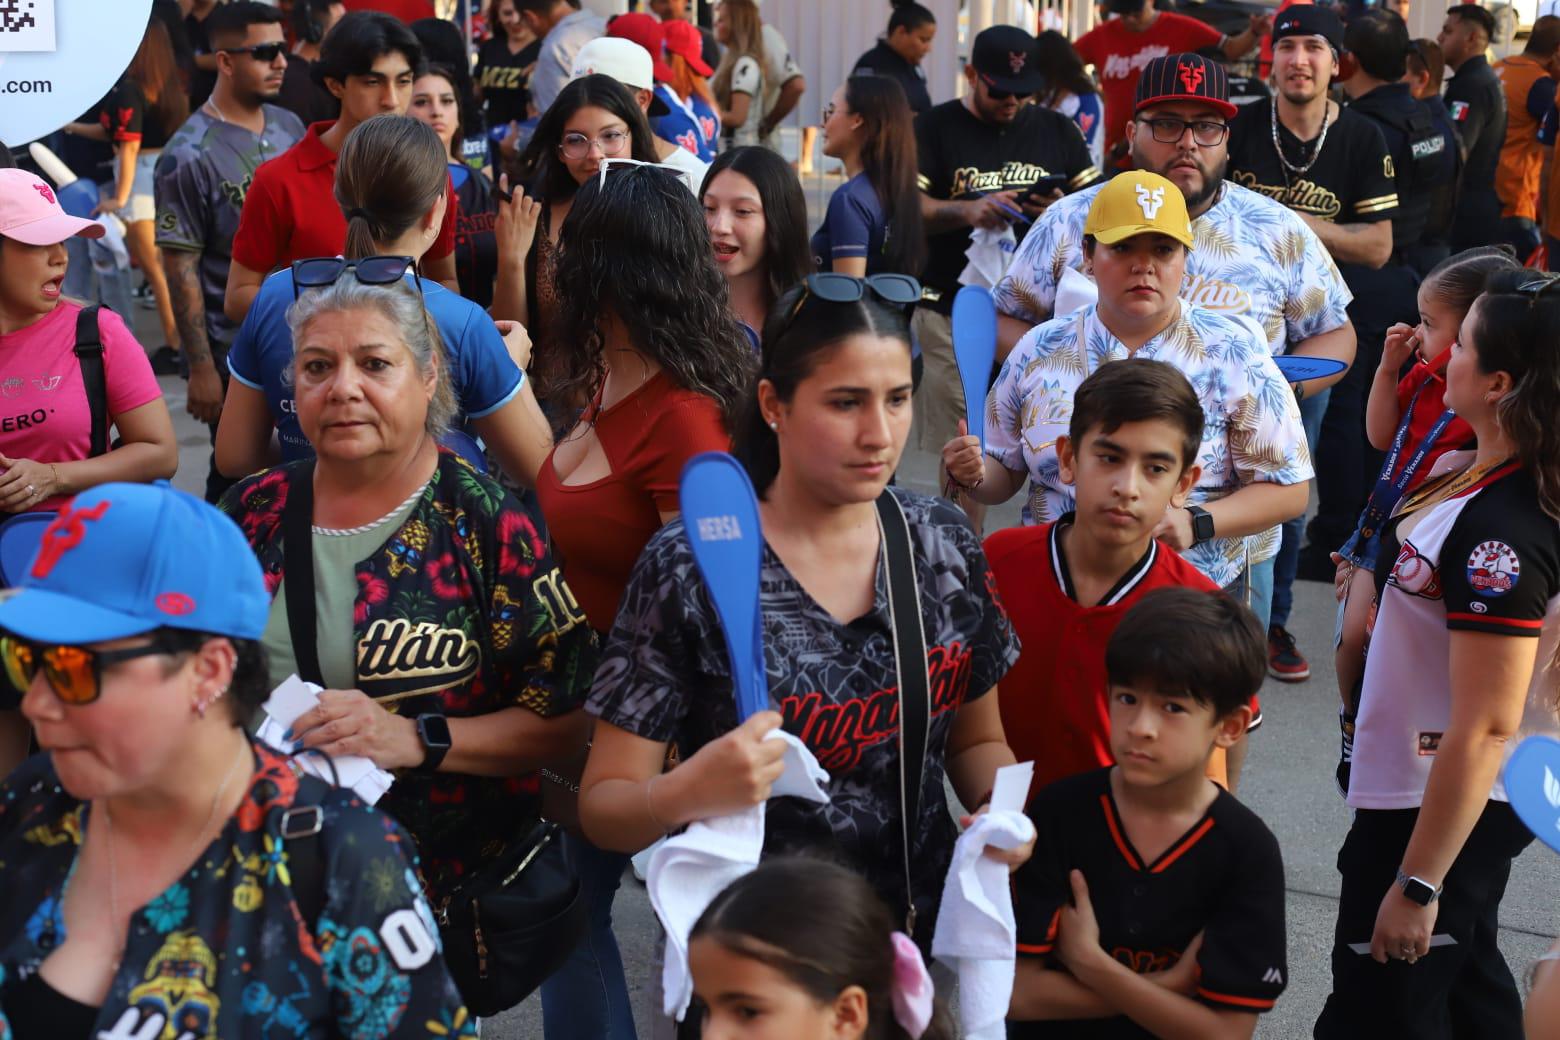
1468	591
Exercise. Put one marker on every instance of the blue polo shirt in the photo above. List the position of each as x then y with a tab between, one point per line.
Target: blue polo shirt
853	226
483	375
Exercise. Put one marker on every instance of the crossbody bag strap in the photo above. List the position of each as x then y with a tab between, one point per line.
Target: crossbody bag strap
89	355
904	614
298	572
298	832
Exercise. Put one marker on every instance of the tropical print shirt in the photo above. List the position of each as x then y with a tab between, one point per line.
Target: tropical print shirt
1250	256
462	612
225	950
665	675
1251	427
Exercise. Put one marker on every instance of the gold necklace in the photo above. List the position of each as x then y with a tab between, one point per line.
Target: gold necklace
1446	486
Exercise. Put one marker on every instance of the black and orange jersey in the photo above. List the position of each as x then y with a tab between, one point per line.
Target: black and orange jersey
1224	878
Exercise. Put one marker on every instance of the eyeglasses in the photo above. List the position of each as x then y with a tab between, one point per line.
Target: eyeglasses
901	290
607	164
578	146
320	271
265	53
75	673
828	111
1169	130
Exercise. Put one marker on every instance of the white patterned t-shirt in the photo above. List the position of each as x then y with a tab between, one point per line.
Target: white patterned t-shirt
1251	426
1250	256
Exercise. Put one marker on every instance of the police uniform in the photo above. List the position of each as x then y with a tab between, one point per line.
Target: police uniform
1425	159
1224	878
1477	104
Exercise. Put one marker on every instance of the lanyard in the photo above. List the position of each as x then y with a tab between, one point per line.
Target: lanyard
1388	490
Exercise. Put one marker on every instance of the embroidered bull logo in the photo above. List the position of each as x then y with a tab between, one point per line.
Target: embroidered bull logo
1191	77
1150	201
63	535
48	195
1016	61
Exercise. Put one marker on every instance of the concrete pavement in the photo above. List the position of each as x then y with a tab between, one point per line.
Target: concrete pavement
1288	780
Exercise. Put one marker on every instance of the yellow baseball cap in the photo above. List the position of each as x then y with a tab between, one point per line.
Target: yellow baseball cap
1138	202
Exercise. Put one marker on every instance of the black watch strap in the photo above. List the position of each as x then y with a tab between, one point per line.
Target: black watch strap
1202	524
434	732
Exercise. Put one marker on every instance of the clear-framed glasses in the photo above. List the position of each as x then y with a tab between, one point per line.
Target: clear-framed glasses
578	146
607	164
1170	130
828	111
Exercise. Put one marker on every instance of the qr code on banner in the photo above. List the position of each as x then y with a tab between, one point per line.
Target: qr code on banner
26	25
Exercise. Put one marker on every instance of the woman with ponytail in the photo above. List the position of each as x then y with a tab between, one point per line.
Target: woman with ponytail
874	219
824	429
392	183
805	949
1463	635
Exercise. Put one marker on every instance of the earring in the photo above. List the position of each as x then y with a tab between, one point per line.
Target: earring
202	706
775	426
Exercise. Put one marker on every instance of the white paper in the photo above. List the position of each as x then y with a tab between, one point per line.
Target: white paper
286	703
1011	789
1441	939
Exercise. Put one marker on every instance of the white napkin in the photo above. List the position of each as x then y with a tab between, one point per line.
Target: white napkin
1074	291
290	700
989	254
688	870
976	931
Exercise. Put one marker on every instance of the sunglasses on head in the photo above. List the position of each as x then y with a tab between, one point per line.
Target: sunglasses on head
608	164
321	271
265	53
75	673
1536	287
900	290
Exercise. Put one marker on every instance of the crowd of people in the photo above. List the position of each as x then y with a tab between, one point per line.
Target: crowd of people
457	319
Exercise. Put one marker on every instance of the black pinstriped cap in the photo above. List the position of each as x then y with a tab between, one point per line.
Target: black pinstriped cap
1184	77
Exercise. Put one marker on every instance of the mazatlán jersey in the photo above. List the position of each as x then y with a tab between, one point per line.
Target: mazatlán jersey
1487	560
1250	256
1251	432
1224	877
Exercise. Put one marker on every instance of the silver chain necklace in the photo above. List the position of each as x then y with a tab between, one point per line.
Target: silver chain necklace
1321	139
113	863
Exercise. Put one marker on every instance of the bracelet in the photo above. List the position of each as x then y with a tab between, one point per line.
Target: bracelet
650	808
561	781
59	485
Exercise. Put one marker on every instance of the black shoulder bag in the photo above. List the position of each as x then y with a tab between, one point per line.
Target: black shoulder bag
904	615
89	355
512	922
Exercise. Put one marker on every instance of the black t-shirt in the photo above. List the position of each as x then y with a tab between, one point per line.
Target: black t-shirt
476	246
202	81
126	116
961	157
883	60
305	98
1224	878
1424	158
502	76
1351	181
1477	104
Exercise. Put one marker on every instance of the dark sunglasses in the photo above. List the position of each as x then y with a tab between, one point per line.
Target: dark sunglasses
321	271
265	53
75	673
901	290
1004	95
1536	288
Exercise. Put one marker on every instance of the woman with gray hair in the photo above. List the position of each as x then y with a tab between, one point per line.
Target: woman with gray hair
415	590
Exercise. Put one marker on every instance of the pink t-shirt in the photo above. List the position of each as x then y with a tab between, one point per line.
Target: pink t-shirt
44	415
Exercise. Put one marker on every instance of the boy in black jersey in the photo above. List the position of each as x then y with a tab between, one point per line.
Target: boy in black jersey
1154	902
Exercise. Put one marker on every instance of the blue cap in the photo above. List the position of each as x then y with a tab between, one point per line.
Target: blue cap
123	559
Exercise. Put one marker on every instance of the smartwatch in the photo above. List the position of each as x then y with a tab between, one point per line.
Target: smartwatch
434	732
1202	524
1417	890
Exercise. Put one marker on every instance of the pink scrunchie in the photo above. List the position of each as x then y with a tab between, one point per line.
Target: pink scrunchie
912	996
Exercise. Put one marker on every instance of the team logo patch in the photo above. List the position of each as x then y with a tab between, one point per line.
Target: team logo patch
1016	61
48	196
1493	569
1191	76
1150	201
1415	574
1459	111
175	603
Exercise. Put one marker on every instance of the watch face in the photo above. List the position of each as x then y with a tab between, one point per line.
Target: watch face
1418	891
434	730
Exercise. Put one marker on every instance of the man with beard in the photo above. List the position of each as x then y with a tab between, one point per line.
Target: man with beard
205	169
979	156
1330	165
1251	258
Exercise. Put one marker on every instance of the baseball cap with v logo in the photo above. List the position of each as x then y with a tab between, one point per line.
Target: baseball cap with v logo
1138	202
123	559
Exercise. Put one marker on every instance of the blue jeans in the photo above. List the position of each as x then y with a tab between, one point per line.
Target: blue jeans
1254	588
1287	562
587	998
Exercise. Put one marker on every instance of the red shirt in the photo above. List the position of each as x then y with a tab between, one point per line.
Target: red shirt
406	10
291	212
1053	703
1427	410
599	529
1118	56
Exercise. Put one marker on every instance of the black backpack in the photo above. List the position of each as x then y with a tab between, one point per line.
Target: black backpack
89	354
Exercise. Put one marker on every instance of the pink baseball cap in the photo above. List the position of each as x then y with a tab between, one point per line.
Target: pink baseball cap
30	212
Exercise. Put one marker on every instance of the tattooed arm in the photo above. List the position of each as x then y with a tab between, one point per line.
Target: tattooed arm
182	267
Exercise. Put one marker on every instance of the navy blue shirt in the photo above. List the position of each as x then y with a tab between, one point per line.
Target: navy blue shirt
483	375
854	225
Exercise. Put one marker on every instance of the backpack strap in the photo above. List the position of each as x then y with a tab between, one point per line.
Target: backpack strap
298	572
89	355
298	827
